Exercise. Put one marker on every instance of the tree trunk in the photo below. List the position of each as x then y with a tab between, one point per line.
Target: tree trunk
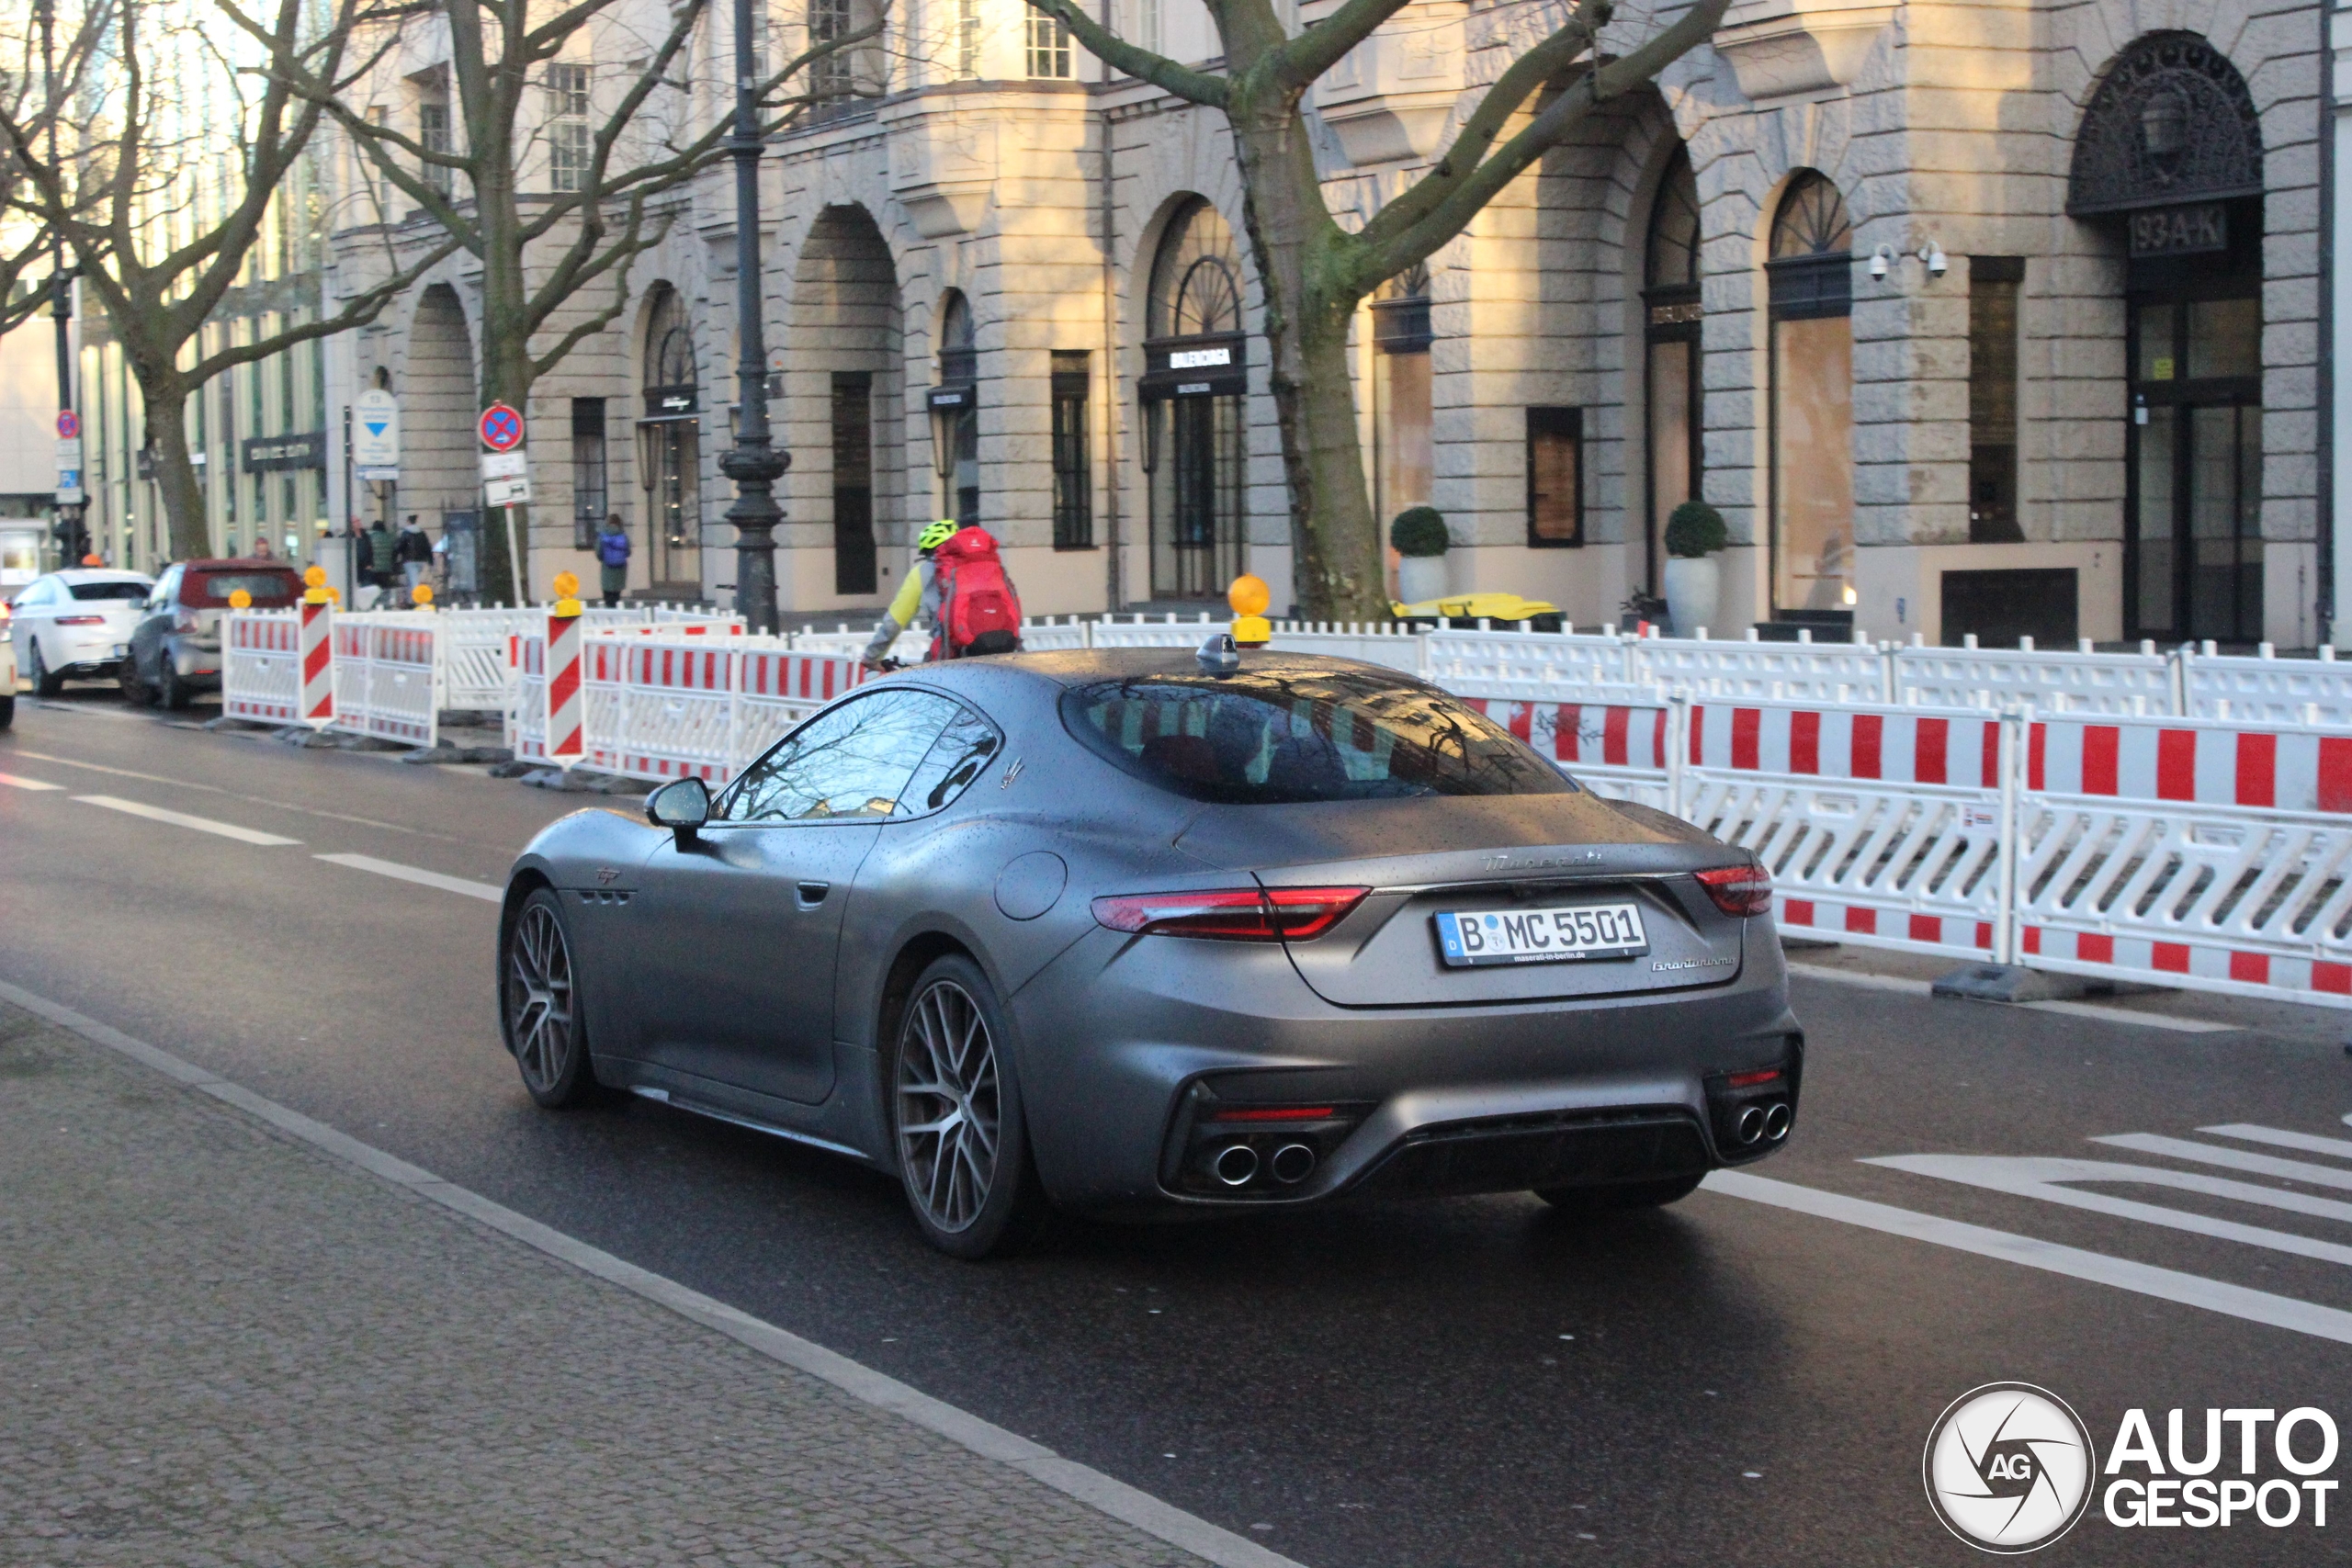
506	370
1310	301
181	487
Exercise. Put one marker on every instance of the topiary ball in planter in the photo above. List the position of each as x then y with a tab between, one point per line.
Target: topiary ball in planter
1419	530
1695	529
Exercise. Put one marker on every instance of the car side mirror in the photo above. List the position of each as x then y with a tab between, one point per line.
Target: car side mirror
683	807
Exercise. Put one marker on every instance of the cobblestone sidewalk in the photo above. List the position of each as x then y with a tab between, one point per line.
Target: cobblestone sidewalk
218	1346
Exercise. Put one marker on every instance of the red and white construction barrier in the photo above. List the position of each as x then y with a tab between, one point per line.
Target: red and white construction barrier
317	661
262	668
566	711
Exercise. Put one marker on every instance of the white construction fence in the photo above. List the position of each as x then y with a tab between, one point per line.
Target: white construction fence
2177	819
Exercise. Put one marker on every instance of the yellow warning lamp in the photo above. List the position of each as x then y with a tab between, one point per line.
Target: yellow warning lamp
567	593
422	595
316	591
240	600
1249	596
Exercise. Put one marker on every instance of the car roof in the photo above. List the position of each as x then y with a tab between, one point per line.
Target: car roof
94	574
240	563
1079	666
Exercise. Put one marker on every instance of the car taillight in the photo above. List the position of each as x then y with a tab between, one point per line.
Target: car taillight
1739	889
1235	914
81	620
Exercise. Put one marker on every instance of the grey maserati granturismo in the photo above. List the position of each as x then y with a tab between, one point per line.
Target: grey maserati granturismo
1152	931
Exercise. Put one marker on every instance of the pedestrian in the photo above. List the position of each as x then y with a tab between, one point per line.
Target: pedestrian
378	561
612	554
959	589
414	551
260	549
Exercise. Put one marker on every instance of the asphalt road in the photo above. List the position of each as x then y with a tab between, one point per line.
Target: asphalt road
1474	1382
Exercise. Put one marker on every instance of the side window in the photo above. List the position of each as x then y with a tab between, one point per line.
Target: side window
850	763
956	758
165	590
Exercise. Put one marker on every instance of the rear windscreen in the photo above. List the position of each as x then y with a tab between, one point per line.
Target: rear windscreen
210	590
86	592
1275	738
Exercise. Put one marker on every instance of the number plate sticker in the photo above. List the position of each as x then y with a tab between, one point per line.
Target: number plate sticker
1541	936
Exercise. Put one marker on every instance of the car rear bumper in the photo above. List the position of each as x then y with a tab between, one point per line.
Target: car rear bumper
1131	1065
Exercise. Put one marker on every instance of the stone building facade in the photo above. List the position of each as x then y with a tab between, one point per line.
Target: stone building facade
1989	318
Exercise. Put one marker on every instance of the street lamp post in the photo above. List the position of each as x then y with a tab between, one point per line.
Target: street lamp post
71	542
753	462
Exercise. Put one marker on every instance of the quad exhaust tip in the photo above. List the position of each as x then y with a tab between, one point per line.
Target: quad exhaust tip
1293	1164
1776	1120
1750	1127
1235	1165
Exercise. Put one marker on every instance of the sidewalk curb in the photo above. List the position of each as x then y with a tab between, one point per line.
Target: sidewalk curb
1082	1483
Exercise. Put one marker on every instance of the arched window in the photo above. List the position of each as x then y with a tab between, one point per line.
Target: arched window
956	411
1196	278
1670	331
1195	357
670	444
1811	278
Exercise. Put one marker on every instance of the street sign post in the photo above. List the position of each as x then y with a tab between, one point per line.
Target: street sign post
68	426
69	461
506	478
375	435
500	427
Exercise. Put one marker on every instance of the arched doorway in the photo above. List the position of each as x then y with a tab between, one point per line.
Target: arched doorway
846	354
2169	157
1671	331
1195	373
1810	279
439	473
670	449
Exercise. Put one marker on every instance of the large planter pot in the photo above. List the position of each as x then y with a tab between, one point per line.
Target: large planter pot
1420	577
1692	583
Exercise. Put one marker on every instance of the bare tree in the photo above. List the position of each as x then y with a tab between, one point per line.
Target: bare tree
1315	273
541	243
170	184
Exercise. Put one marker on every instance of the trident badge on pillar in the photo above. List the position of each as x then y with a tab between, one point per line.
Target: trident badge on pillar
318	650
566	731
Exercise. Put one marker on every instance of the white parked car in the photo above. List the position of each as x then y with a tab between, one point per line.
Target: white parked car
77	626
7	667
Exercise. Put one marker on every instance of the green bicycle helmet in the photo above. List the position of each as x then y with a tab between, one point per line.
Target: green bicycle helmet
935	535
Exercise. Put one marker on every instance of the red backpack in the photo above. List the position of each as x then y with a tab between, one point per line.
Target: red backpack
979	611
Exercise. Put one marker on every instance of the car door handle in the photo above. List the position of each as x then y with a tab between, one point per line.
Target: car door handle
813	893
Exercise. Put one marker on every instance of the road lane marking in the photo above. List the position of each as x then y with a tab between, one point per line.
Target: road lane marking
2233	1159
2098	1268
182	820
392	868
2073	1009
2032	1177
1090	1487
255	799
12	782
2276	1137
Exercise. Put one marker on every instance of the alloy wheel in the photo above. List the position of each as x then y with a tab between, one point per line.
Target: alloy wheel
538	998
949	1106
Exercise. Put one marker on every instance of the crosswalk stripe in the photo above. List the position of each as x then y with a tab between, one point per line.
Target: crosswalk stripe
392	868
2034	1177
2122	1273
2280	1138
182	820
12	782
2233	1159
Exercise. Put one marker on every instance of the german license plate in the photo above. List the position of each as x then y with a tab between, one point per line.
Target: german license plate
1541	936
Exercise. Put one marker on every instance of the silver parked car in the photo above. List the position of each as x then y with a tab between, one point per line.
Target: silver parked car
1139	932
76	624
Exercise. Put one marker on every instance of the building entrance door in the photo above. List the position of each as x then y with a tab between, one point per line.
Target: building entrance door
2193	554
1196	502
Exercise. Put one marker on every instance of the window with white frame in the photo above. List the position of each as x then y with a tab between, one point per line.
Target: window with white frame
1048	45
569	138
829	77
968	38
